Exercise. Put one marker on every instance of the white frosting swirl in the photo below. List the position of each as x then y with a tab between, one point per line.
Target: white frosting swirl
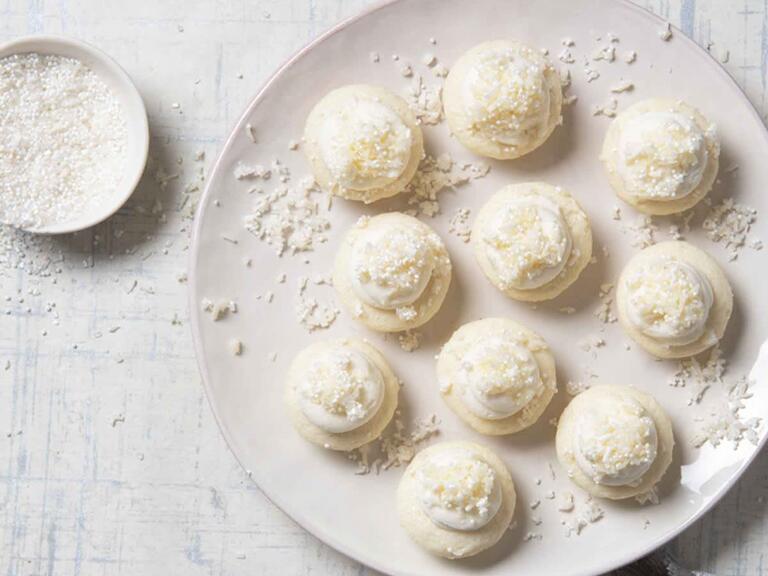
391	265
498	377
506	95
341	390
459	490
365	145
527	242
668	300
616	441
661	155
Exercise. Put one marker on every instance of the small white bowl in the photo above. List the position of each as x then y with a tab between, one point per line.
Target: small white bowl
137	146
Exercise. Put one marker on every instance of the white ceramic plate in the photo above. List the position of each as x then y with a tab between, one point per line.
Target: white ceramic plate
356	514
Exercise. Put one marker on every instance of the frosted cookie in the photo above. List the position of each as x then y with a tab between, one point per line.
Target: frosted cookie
674	300
363	143
456	499
340	393
532	240
615	441
496	375
661	156
392	272
502	99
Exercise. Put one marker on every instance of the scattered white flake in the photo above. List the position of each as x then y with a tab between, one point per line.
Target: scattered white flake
396	447
218	310
725	421
590	73
566	57
459	226
756	244
665	33
532	536
728	223
590	342
289	218
608	109
629	57
611	37
570	99
309	312
643	231
622	86
429	59
603	311
566	502
251	132
567	41
674	232
607	53
435	175
649	497
409	340
616	214
425	101
235	347
406	70
374	57
251	172
550	495
534	504
293	145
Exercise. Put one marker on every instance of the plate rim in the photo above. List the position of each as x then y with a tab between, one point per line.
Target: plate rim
194	312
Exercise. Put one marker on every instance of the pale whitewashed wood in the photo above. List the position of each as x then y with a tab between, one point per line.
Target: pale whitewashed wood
110	461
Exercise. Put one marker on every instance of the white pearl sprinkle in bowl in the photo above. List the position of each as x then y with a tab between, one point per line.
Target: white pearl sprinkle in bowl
133	110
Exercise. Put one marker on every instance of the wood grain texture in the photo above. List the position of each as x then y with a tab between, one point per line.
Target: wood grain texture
110	461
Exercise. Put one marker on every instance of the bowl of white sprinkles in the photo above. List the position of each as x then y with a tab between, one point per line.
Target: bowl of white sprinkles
74	136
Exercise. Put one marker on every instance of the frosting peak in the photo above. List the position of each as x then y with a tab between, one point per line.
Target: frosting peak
661	155
341	390
669	300
499	377
459	490
391	265
616	441
528	242
506	95
366	145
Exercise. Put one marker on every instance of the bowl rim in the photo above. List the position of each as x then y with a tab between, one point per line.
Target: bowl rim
137	123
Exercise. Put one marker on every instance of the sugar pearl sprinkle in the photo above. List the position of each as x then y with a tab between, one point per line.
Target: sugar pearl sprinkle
62	137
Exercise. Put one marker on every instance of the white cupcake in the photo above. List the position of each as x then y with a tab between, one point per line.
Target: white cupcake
456	499
392	272
496	375
363	143
615	441
674	300
661	156
502	99
340	393
532	240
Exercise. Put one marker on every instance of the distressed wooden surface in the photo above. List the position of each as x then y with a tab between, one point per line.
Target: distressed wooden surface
110	461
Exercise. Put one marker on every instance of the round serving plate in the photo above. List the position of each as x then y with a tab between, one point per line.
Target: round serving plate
356	513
